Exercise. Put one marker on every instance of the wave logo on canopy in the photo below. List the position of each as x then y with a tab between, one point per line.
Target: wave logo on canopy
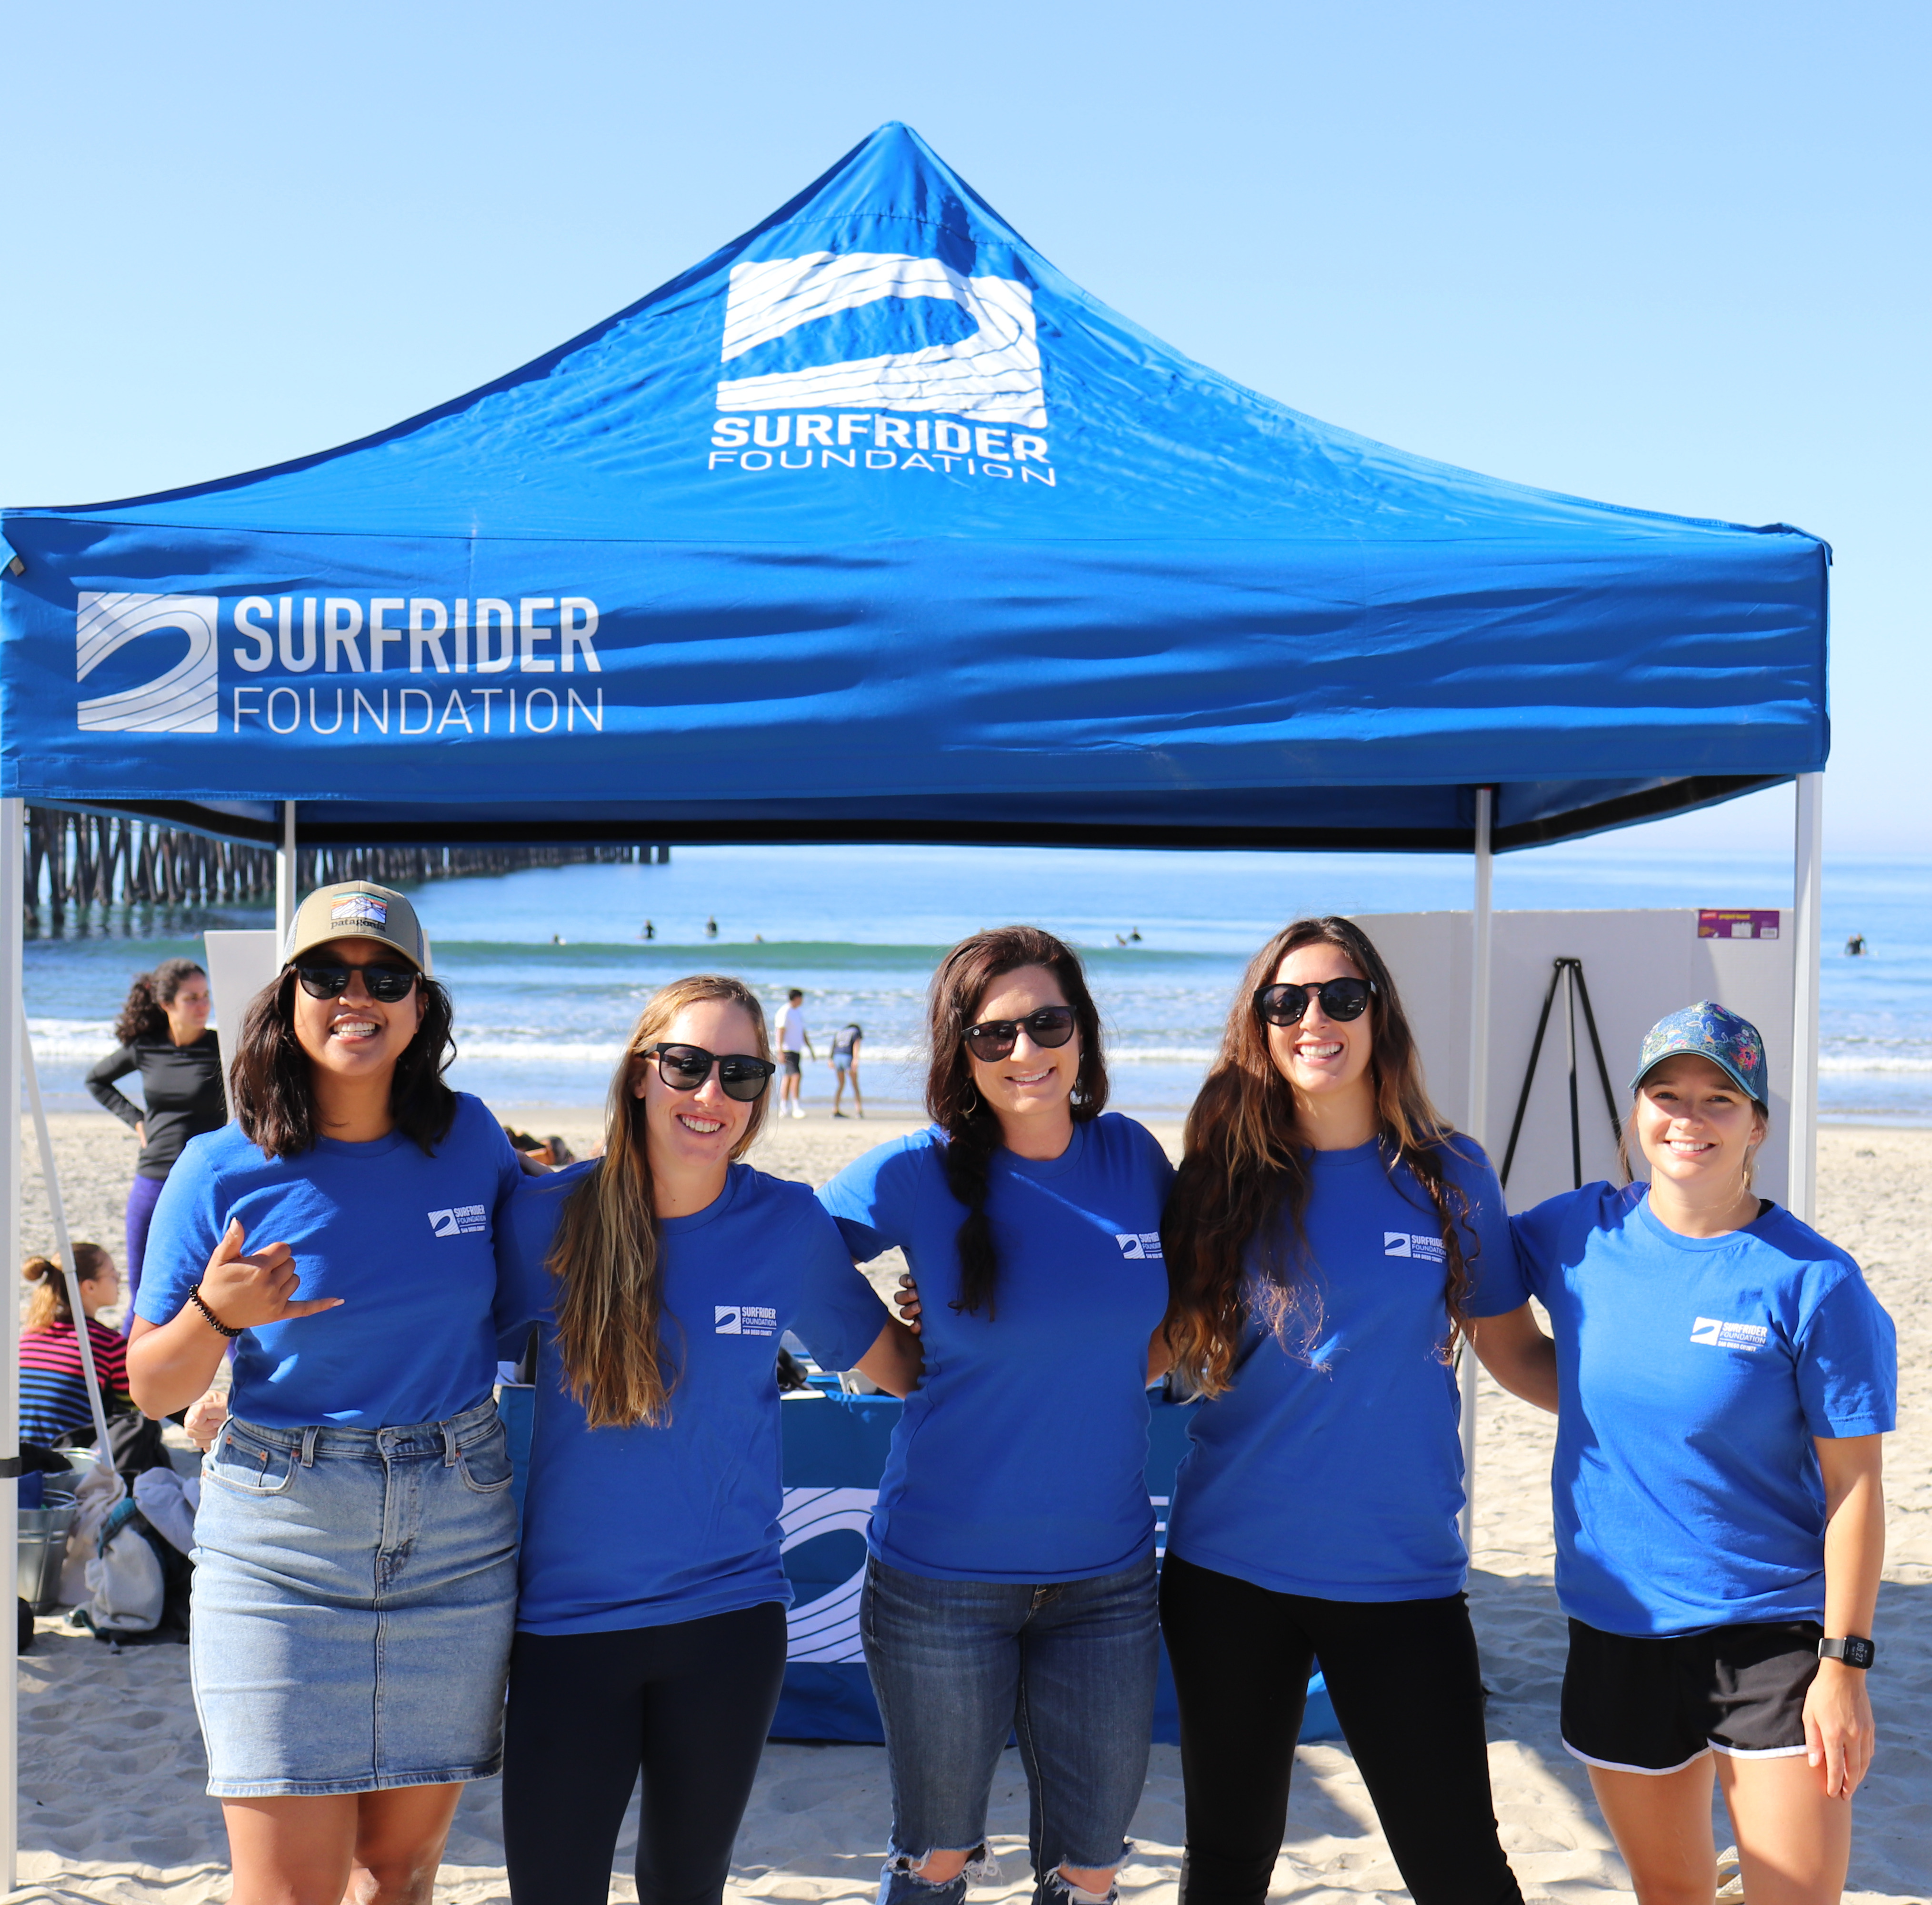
991	372
183	699
827	1628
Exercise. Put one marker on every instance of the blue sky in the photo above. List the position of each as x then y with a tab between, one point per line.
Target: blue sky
1664	255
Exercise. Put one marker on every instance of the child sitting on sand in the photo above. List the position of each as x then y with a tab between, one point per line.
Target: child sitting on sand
53	1385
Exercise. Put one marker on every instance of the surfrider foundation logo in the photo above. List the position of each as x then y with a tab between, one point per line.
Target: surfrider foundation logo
972	404
992	375
183	699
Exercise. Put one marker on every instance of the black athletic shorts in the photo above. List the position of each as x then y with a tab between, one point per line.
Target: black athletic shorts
791	1063
1653	1706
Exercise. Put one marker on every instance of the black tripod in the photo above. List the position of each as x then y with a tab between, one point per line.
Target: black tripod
1569	974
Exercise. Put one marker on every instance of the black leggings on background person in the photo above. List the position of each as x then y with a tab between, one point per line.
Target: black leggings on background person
1408	1689
689	1704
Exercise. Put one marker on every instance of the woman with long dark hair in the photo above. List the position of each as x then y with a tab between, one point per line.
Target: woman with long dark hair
356	1581
651	1627
163	1035
1723	1378
1011	1583
1330	1238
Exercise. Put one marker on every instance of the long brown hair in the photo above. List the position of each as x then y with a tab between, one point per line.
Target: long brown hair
49	1303
1243	1171
273	1094
953	1101
144	1012
610	1311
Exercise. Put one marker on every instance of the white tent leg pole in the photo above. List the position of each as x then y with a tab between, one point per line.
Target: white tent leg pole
1481	941
103	1456
13	1025
285	876
1807	896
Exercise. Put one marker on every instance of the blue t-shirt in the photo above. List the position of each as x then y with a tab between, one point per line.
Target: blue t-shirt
1341	1475
1022	1454
1693	1374
640	1527
407	1241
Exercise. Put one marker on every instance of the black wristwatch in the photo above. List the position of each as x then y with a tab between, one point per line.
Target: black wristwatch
1854	1650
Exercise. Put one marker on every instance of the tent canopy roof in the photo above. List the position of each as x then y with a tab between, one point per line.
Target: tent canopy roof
874	526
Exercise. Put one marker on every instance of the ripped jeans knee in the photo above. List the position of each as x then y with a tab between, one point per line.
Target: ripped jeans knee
1063	1892
901	1881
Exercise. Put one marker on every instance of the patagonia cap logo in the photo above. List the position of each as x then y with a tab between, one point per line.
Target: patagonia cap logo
360	910
743	1319
1135	1245
464	1220
1721	1335
1410	1243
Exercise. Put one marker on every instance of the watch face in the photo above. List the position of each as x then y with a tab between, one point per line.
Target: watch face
1858	1653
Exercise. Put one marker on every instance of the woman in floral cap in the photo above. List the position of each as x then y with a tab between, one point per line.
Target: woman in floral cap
1721	1378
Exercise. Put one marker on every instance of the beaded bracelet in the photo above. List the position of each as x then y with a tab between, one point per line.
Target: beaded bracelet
214	1321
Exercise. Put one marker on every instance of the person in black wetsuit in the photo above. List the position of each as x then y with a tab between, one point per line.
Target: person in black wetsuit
163	1033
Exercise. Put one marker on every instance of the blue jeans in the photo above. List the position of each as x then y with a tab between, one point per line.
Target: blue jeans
956	1666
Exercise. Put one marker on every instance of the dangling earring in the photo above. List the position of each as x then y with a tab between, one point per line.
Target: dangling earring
969	1111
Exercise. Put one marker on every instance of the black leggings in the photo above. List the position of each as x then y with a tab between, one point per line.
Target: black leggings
690	1704
1408	1692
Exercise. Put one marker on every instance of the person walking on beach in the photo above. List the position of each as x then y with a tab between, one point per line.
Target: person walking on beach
1010	1586
355	1577
163	1035
794	1041
1330	1236
54	1402
651	1627
1722	1378
845	1044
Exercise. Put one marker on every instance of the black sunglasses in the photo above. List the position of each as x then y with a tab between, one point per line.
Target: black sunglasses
1342	1000
686	1067
389	986
1049	1028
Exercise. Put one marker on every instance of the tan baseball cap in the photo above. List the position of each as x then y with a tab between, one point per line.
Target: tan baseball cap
358	909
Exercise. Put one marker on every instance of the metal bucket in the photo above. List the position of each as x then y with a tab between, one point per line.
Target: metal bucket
43	1551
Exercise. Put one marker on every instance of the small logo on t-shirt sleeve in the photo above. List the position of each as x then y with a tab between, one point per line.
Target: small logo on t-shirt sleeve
464	1220
1135	1245
1721	1335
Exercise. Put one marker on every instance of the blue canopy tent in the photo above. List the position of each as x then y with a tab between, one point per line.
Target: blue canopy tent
872	527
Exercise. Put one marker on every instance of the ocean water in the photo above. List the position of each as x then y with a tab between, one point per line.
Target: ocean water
548	967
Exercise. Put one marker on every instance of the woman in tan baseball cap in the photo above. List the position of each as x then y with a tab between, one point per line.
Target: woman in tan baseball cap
356	1582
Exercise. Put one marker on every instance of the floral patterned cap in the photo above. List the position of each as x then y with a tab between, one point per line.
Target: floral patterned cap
1708	1031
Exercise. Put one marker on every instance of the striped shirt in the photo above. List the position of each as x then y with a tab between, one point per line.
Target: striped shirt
53	1386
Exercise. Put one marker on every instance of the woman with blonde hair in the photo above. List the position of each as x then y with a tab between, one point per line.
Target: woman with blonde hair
54	1401
1329	1238
651	1623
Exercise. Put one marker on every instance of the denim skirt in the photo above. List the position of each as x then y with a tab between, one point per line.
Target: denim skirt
354	1595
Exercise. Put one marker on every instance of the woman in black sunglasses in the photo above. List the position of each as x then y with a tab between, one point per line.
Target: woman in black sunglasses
356	1541
1330	1238
1011	1583
651	1627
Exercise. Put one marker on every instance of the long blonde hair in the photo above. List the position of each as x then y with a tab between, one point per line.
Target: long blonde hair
610	1312
49	1305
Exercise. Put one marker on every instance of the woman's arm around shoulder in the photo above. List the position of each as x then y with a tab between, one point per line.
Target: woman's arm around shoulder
526	1225
873	1199
841	1318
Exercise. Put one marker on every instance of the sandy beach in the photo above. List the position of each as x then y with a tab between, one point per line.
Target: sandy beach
112	1808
